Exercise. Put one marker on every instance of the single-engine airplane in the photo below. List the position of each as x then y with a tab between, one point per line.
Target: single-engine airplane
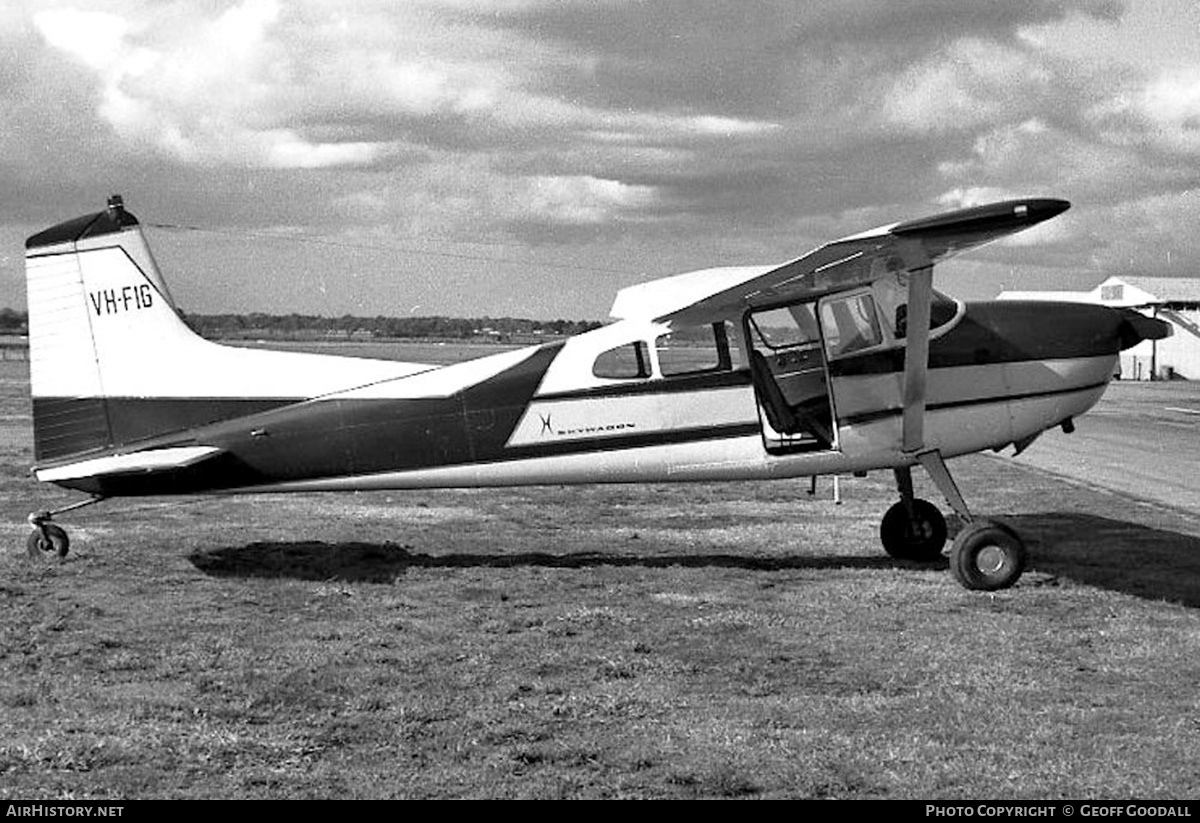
843	360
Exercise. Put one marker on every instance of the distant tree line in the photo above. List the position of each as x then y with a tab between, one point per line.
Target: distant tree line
348	326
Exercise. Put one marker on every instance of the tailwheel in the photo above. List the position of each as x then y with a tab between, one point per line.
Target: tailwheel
987	556
913	533
47	541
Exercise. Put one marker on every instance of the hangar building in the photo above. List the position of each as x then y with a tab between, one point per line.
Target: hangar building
1174	299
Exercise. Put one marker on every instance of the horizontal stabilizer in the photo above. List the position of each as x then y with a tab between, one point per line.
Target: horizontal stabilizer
141	462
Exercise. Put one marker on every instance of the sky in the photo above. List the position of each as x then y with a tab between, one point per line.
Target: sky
530	157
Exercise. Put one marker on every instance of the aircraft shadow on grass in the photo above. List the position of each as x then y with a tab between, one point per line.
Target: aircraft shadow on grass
1117	555
384	562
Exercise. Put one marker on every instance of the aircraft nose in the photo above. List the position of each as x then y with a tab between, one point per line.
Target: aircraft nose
1046	330
1135	327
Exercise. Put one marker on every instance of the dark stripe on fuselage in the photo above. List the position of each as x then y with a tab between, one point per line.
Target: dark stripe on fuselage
373	437
72	426
661	437
335	437
136	419
341	437
1005	332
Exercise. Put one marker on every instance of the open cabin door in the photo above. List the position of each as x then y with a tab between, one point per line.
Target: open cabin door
791	347
791	379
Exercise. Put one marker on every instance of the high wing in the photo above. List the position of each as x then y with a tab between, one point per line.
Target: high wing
913	246
717	294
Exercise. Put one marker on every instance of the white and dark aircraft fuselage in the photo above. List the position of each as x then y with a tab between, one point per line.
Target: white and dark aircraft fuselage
842	361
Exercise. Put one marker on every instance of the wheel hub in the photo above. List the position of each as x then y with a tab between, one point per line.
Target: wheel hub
990	559
921	530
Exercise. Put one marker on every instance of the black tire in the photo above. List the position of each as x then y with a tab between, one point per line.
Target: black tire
987	556
921	537
47	542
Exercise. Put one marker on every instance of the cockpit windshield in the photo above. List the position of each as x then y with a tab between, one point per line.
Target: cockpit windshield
891	295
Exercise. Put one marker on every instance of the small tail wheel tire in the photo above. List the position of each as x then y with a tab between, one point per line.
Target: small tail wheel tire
919	537
987	556
48	541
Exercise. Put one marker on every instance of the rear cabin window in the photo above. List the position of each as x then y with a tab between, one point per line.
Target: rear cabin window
694	350
628	362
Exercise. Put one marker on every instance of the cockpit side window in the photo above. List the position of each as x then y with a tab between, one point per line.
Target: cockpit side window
851	324
786	327
891	294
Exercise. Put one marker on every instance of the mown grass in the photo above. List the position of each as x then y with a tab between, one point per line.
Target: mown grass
689	641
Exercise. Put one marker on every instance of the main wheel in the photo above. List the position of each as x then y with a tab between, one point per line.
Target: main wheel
987	556
48	541
920	537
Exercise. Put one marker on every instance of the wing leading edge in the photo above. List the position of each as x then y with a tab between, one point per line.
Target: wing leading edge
850	261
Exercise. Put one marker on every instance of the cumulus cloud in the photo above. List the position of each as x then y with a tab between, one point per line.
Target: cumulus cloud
665	127
96	38
473	200
208	94
255	83
1171	102
581	199
970	83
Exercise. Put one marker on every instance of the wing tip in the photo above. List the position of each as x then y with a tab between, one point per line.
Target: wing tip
1005	214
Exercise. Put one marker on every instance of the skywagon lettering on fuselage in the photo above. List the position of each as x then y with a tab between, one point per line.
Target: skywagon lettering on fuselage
608	428
601	414
129	298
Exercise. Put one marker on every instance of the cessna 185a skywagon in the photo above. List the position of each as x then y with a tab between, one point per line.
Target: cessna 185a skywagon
841	361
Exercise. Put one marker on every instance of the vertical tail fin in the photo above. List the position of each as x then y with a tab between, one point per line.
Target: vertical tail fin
80	348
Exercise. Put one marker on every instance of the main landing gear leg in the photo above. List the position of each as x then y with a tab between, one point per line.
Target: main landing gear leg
986	555
49	540
912	529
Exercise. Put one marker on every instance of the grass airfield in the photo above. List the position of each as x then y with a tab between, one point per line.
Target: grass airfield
739	640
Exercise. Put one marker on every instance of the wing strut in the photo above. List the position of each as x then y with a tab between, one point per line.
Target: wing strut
936	467
916	346
916	370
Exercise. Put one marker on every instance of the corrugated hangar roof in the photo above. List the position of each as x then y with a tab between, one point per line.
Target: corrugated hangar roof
1140	291
1167	289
